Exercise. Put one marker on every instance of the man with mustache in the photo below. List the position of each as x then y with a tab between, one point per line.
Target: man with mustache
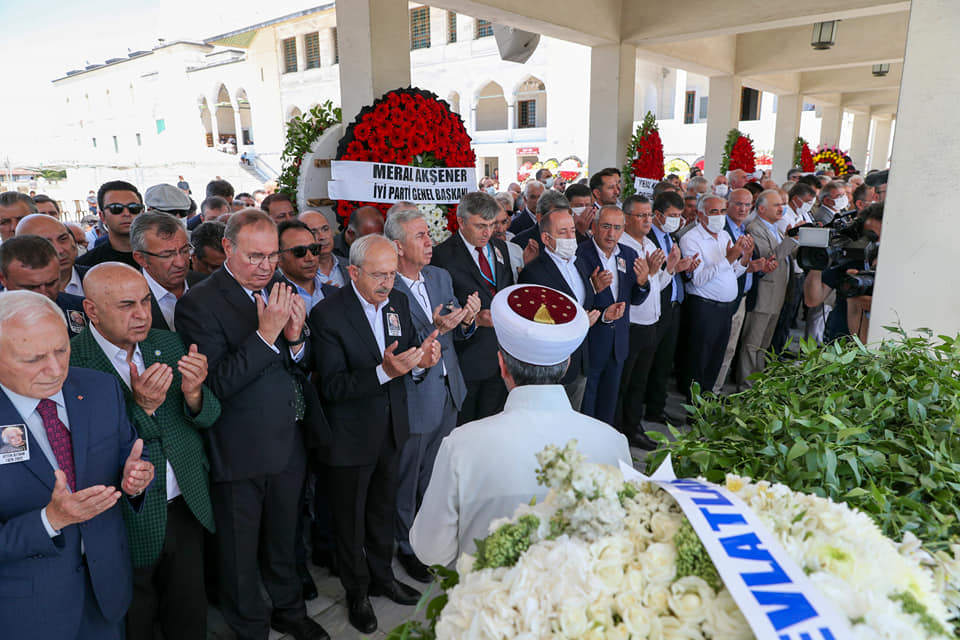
162	249
169	406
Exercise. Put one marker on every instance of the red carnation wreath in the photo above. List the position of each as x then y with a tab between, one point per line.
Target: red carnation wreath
802	156
408	127
644	154
738	153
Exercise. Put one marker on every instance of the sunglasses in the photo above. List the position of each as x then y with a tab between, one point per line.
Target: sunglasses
301	250
116	208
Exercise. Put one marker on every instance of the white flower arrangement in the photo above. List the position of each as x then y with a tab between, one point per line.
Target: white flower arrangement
436	217
601	558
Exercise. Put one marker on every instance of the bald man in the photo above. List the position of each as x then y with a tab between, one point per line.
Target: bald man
64	241
363	222
169	406
332	270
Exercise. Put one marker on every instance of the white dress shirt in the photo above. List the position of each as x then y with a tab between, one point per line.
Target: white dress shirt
374	314
714	278
74	287
418	288
118	358
166	300
610	264
568	269
27	408
647	312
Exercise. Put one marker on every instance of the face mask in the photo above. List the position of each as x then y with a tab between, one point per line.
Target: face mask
720	190
492	191
715	223
840	204
566	247
549	182
671	224
805	208
578	210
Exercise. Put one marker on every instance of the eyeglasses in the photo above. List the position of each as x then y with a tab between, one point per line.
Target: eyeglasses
606	226
256	259
301	250
117	208
184	252
381	276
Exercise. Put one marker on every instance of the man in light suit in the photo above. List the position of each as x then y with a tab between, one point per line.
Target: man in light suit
64	561
761	321
434	401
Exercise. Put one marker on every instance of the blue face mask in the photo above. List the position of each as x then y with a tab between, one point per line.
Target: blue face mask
492	191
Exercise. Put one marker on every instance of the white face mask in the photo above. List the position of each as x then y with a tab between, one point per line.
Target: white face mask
566	247
805	208
720	190
578	210
671	224
840	204
549	182
715	223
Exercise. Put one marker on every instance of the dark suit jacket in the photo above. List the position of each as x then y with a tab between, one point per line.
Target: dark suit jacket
425	398
544	271
39	575
362	412
159	322
171	433
340	247
524	237
522	221
257	430
666	294
612	339
478	355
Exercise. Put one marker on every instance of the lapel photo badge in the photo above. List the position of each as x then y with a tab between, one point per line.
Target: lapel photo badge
499	255
622	264
393	324
13	444
77	321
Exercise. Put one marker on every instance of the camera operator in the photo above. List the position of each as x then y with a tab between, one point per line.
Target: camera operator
852	280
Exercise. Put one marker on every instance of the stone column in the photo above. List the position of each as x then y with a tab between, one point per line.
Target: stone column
917	274
831	119
612	76
881	143
859	141
723	114
375	53
785	135
511	119
238	126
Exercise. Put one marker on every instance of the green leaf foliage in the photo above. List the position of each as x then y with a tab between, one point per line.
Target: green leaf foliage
649	124
874	427
302	132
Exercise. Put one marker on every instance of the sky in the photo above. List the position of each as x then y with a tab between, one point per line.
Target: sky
43	39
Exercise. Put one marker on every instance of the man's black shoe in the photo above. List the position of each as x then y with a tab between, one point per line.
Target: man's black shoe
302	629
640	440
414	568
361	615
396	591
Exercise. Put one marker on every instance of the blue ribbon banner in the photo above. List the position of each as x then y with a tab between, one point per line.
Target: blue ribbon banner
772	592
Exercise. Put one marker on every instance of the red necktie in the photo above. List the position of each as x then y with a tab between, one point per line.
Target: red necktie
485	270
60	440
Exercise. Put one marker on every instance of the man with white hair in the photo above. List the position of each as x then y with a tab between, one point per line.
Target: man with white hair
526	218
484	469
13	440
833	201
61	529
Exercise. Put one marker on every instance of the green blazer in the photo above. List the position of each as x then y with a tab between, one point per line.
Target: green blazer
171	433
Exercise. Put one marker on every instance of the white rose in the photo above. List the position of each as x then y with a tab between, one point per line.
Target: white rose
659	563
601	612
637	620
673	629
690	597
573	619
656	598
724	619
665	525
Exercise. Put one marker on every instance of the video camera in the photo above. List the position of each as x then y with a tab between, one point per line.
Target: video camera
841	242
858	284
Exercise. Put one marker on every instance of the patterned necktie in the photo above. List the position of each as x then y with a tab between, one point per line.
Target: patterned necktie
485	270
60	440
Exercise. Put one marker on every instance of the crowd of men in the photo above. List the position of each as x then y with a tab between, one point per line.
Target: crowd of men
245	388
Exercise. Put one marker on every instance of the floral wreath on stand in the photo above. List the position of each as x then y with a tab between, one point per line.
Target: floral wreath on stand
803	157
738	153
644	154
409	127
835	159
302	132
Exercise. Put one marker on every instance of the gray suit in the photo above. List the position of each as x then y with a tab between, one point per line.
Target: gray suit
761	322
432	403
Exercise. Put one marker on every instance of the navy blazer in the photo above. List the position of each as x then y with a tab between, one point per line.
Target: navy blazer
40	577
523	238
425	398
158	321
523	220
742	280
612	339
543	270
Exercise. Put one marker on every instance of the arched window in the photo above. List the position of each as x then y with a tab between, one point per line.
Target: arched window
491	108
531	104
